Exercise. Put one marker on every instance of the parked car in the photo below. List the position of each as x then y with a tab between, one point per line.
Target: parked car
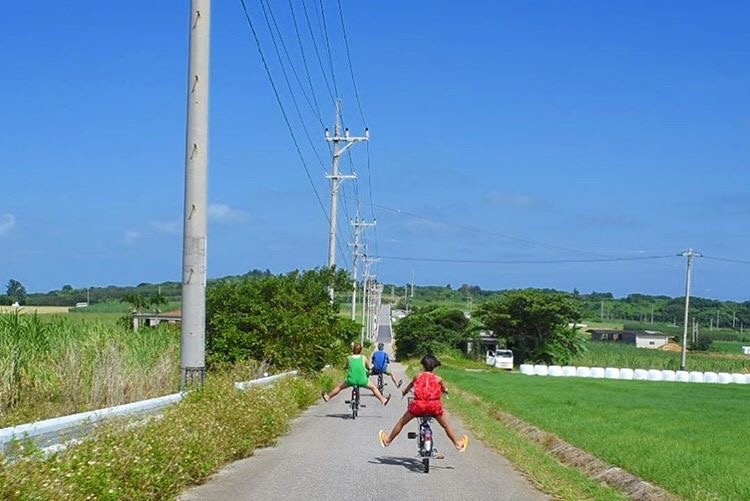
502	359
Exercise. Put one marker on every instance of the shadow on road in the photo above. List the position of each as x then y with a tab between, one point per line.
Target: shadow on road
411	464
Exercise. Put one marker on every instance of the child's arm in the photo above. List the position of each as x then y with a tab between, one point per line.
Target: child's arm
408	387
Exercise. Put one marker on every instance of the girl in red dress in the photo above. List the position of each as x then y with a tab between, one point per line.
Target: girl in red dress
428	388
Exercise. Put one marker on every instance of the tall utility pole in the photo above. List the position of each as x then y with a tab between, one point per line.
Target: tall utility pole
336	178
193	341
689	255
359	224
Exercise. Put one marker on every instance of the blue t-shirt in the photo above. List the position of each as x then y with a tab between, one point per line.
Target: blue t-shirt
380	361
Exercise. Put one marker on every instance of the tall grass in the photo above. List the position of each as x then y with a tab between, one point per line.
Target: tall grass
620	355
61	367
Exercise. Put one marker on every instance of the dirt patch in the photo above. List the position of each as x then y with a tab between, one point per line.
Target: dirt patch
622	480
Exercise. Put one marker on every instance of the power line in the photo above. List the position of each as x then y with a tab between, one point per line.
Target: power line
317	52
281	107
726	260
328	46
524	261
304	58
351	69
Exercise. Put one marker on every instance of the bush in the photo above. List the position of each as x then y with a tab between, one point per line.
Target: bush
430	330
286	321
211	427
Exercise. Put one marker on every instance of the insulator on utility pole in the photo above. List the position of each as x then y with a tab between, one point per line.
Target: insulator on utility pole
193	329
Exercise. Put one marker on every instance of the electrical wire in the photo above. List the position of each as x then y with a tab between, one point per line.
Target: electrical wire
283	110
351	69
524	261
328	47
317	52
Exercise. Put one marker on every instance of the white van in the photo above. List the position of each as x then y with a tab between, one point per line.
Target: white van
502	359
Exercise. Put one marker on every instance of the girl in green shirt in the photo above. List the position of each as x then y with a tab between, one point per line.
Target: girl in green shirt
357	367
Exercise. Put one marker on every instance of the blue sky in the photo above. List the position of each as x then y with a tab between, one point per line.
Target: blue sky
613	129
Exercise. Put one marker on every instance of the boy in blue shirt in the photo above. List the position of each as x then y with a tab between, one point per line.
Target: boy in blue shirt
380	363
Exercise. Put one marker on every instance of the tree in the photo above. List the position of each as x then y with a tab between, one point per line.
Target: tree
285	320
430	330
535	324
16	291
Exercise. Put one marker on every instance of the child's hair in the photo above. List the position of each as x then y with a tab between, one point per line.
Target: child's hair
356	348
381	346
430	362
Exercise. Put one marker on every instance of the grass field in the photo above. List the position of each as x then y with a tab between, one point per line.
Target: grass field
620	355
56	366
688	439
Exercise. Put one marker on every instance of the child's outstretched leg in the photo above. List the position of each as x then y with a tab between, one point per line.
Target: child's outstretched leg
374	389
385	440
335	391
459	443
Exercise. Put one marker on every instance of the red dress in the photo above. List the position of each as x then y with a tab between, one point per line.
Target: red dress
427	393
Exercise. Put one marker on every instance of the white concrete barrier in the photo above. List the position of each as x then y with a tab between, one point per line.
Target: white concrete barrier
640	375
540	370
710	377
597	372
611	373
527	369
696	377
568	371
739	378
554	370
668	375
654	375
626	373
583	372
725	378
682	376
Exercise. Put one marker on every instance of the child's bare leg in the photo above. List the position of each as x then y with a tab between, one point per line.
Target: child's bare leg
375	391
449	431
337	389
408	416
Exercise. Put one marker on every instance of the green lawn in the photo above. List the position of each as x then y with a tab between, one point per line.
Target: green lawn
687	438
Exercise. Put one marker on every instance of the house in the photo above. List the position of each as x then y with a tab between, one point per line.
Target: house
640	339
153	319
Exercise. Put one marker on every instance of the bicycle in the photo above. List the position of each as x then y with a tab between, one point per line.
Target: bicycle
425	442
354	402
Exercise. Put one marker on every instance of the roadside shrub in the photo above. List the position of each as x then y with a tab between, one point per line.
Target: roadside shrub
209	428
431	329
286	321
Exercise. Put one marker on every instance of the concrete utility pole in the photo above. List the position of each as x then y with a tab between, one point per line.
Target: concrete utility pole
359	224
336	178
689	255
192	353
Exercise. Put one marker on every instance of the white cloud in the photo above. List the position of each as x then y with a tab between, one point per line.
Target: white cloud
131	237
224	213
7	223
171	227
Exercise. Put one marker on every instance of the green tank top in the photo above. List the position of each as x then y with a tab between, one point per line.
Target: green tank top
357	374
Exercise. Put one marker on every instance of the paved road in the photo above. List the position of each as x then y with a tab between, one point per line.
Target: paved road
329	456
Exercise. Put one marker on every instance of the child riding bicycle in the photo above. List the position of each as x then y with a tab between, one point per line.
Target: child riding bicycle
428	388
380	361
357	366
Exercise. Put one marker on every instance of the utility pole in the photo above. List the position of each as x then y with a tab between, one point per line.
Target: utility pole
193	330
358	225
336	178
689	255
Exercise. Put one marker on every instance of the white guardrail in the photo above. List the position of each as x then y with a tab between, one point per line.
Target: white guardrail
635	374
49	433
